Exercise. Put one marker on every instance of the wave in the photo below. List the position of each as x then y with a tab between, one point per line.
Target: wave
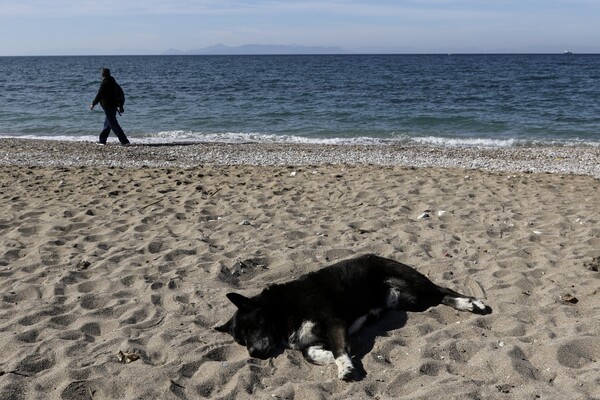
402	139
465	142
188	137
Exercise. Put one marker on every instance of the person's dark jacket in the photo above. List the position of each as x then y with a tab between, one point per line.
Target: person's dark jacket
108	94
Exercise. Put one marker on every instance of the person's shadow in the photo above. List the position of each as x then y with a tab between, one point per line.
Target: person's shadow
363	341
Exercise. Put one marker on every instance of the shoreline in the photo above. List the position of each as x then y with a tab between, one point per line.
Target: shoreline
552	159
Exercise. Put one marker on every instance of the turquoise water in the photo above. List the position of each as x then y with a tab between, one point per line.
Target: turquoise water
492	100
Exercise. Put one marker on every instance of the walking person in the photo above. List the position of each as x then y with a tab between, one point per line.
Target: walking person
111	98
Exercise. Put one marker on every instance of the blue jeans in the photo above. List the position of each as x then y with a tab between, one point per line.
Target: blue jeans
110	122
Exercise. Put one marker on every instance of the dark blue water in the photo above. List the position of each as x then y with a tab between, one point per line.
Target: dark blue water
497	100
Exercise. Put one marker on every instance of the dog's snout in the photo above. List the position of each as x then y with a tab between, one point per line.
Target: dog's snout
256	353
260	353
260	349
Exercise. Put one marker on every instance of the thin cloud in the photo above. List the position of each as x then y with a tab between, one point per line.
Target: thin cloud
370	9
70	8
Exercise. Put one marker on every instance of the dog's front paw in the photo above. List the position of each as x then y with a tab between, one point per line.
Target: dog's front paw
348	374
346	371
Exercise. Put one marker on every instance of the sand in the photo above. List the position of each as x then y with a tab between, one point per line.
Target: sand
135	253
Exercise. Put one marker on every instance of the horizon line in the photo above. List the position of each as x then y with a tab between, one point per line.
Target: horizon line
188	54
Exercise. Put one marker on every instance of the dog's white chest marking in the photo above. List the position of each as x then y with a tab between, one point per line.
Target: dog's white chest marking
303	337
360	321
392	298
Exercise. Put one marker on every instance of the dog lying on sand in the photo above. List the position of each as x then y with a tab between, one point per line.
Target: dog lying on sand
317	312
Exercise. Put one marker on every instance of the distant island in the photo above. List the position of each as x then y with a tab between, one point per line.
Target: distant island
256	49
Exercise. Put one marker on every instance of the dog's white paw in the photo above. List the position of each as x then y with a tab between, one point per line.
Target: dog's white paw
347	374
478	307
470	304
346	369
317	355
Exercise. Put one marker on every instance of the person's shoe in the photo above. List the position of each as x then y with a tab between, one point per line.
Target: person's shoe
101	143
125	144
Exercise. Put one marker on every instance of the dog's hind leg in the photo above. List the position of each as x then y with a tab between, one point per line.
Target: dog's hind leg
463	303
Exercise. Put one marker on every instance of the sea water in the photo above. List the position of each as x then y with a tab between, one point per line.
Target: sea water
464	100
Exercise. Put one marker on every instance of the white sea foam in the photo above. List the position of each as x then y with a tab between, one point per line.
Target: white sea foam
465	142
181	136
255	137
62	138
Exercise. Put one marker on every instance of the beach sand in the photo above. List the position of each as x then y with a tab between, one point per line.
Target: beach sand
106	250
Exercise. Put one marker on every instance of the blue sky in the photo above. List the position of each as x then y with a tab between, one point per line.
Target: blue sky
30	27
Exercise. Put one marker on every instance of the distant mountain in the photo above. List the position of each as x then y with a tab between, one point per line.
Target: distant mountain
255	49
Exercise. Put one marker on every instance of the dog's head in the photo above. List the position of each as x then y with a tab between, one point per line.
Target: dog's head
250	327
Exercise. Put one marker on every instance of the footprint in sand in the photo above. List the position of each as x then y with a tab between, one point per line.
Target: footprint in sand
30	336
91	302
77	390
63	320
91	329
579	353
155	247
35	363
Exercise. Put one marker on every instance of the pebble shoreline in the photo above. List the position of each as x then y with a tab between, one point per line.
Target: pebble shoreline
563	160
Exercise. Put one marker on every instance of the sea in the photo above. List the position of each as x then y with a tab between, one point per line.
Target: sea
442	100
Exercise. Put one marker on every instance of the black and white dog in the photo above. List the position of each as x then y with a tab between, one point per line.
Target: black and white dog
317	312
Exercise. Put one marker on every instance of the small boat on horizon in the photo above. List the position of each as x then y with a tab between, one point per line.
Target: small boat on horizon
568	53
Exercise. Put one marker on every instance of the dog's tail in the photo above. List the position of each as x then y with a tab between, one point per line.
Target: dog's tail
463	303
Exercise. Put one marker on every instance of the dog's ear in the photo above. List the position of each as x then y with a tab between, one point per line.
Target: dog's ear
241	302
226	327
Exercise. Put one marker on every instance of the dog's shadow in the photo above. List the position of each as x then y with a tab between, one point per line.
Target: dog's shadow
363	341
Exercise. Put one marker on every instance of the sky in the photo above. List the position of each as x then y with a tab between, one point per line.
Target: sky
81	27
